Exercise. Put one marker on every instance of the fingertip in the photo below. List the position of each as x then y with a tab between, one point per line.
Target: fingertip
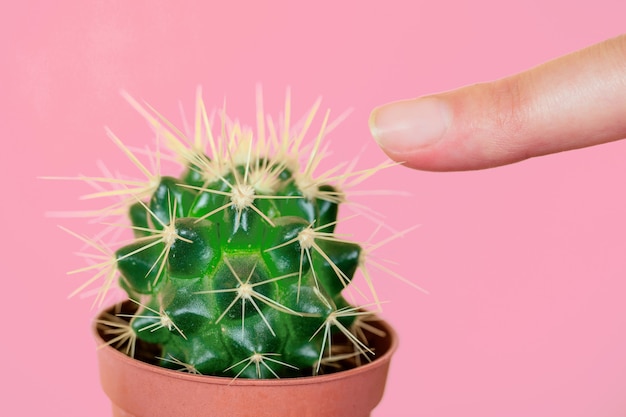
405	126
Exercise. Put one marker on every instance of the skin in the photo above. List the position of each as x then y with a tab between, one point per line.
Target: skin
571	102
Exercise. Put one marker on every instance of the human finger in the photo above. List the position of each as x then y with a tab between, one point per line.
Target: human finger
574	101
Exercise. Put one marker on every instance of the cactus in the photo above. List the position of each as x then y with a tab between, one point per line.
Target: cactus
235	268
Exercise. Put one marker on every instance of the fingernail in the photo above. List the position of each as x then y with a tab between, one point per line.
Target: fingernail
403	126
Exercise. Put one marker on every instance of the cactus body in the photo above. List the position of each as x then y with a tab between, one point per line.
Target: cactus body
235	268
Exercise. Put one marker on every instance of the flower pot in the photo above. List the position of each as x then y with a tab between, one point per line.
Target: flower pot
139	389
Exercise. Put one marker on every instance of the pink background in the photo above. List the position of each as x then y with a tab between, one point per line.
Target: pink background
525	264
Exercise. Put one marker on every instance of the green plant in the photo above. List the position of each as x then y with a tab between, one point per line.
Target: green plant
235	268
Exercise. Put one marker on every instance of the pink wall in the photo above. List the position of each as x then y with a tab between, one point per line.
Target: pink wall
524	264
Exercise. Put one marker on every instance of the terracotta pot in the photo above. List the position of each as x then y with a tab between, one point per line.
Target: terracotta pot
138	389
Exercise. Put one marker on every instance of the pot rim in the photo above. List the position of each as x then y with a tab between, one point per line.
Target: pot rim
378	361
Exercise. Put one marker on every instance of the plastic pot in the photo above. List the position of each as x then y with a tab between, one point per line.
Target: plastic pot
139	389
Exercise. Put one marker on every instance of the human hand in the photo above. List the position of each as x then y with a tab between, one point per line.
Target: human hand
574	101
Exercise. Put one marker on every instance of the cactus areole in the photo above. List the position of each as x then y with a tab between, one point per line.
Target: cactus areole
235	269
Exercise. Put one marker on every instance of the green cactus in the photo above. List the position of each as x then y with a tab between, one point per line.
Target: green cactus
235	268
227	272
